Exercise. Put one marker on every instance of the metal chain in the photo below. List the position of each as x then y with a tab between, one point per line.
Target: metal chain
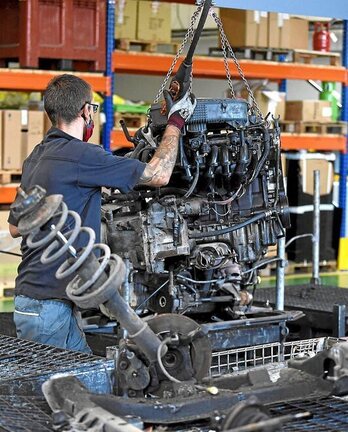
188	36
225	43
224	52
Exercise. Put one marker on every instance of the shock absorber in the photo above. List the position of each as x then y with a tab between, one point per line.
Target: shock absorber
97	280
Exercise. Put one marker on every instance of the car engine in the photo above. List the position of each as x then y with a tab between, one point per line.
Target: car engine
195	246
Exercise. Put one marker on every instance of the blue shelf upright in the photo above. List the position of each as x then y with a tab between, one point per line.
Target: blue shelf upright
343	198
108	103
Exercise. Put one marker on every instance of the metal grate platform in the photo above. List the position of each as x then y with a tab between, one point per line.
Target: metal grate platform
321	298
25	365
24	414
329	415
241	359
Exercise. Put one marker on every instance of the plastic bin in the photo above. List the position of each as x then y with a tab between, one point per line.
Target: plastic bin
37	32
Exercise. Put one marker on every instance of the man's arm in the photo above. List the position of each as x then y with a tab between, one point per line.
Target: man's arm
159	170
14	231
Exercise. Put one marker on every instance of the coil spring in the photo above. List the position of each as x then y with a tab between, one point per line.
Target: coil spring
45	210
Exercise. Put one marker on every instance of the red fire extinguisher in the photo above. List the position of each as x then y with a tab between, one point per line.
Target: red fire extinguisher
321	37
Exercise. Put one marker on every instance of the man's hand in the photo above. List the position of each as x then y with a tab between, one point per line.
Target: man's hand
159	170
180	111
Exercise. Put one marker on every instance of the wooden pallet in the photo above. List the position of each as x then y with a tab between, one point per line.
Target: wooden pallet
146	46
298	127
9	176
251	53
305	56
297	268
132	120
306	266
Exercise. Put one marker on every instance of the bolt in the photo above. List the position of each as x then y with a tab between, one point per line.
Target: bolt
123	364
134	374
130	354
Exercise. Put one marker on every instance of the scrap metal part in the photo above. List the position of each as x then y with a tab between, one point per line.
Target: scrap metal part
309	379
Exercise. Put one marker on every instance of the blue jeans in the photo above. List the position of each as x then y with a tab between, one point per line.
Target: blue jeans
50	322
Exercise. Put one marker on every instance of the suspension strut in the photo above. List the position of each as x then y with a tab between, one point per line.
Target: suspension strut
41	218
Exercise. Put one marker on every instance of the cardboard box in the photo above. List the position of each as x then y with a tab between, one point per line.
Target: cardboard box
278	31
269	101
182	13
245	28
308	110
126	20
299	31
35	130
154	24
32	131
12	140
326	169
272	102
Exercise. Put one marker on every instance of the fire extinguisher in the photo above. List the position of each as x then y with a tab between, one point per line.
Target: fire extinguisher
321	37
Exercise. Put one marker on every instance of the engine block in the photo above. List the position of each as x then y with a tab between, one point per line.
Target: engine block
195	246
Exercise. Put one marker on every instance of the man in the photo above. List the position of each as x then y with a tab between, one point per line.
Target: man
64	163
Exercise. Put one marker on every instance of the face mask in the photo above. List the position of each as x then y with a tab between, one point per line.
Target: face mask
88	130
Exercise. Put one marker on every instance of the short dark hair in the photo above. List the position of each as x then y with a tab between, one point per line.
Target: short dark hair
64	98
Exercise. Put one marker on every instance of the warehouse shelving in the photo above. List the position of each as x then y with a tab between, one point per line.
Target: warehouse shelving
37	80
207	67
289	141
204	67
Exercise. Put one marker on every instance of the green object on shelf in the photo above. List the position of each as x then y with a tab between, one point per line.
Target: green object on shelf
134	109
329	94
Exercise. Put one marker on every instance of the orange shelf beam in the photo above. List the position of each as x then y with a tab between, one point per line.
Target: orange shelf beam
207	67
288	141
118	140
313	142
8	194
37	80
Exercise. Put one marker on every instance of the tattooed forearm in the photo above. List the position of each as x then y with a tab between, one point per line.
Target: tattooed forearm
159	169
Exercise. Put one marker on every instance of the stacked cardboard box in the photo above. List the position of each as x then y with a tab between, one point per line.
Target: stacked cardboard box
21	131
308	111
11	140
245	28
126	19
143	21
256	29
154	22
269	101
287	33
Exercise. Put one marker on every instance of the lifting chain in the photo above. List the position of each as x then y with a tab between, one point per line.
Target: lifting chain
227	46
188	36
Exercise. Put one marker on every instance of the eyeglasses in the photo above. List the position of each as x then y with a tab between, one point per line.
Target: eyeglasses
94	106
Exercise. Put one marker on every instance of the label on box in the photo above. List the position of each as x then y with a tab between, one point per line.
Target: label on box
257	17
263	14
326	112
24	117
